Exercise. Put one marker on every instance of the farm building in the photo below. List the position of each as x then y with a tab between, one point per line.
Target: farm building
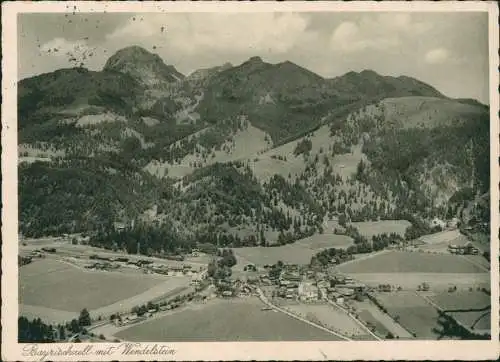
467	249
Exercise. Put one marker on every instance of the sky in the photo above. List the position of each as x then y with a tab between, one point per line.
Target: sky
447	50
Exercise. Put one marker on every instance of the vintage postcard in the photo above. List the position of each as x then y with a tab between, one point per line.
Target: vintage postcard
250	181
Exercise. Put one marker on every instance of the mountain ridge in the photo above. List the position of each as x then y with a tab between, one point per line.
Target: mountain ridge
137	115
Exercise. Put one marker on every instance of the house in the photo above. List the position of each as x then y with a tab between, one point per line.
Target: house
436	222
284	282
320	276
308	292
132	318
345	292
119	226
291	277
453	223
323	284
339	230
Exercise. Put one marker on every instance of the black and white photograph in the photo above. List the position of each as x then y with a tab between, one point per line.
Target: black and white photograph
277	175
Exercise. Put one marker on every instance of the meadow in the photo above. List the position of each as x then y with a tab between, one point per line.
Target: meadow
462	300
476	321
225	320
412	262
61	286
469	308
260	256
436	281
412	312
371	228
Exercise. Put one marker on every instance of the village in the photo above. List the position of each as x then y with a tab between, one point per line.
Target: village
326	294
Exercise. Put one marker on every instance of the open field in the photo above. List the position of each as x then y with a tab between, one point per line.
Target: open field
469	308
291	253
329	316
412	262
57	285
479	322
225	320
369	313
436	281
462	300
371	228
299	252
413	312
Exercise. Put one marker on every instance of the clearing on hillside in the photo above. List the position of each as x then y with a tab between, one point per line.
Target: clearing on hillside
245	143
323	241
225	320
414	112
371	228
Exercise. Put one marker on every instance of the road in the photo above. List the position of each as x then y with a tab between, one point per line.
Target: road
365	328
264	299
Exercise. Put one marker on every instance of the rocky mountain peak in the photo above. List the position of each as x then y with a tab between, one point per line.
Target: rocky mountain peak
146	67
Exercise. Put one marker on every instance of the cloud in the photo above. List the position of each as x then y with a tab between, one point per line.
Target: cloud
221	32
437	56
61	46
67	52
349	37
376	32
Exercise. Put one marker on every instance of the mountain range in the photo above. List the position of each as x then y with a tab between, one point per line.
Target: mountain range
245	154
